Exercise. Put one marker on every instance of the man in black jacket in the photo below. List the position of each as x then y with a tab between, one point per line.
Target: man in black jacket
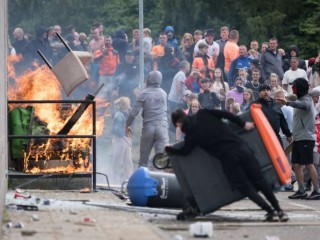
206	130
272	111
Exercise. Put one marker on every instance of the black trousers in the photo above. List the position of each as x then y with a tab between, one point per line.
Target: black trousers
244	174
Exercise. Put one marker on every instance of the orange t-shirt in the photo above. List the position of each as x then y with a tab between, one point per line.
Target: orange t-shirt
108	63
157	51
231	52
199	64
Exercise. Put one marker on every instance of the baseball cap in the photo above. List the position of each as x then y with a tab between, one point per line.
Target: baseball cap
255	62
187	92
209	32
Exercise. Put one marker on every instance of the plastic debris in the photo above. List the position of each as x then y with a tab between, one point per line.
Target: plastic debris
46	202
19	225
272	238
9	225
89	220
35	217
201	229
19	195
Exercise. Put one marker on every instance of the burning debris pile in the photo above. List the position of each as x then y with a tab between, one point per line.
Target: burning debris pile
48	154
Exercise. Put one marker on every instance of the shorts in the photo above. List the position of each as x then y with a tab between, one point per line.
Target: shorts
302	152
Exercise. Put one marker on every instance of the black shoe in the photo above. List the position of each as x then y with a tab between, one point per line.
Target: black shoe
314	195
283	217
298	195
270	217
188	213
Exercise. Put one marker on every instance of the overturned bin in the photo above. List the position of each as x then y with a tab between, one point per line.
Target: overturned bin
154	189
201	176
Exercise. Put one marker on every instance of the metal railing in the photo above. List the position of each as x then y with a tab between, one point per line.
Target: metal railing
92	136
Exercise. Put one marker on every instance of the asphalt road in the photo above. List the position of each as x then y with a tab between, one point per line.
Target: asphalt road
102	215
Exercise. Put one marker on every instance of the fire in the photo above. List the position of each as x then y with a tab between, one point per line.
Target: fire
41	84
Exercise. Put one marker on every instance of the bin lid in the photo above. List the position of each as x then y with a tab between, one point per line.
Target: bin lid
141	186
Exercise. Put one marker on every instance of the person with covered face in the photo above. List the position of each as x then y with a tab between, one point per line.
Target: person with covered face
303	139
237	92
207	130
153	103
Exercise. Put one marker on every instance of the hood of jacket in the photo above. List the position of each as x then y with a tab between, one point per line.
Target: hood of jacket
154	79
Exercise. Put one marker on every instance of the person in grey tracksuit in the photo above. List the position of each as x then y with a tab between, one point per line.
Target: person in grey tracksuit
153	102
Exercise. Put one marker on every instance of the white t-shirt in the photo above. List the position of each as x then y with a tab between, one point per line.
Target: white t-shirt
289	76
173	94
213	50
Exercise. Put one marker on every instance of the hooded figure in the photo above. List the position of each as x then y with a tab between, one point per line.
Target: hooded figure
40	42
293	52
303	139
153	103
169	30
120	43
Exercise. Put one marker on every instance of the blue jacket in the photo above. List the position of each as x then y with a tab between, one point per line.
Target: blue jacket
236	64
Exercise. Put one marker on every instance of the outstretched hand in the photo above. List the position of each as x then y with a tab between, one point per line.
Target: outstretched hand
249	126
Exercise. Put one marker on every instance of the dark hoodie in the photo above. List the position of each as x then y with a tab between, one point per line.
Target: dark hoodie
39	42
120	44
286	63
206	130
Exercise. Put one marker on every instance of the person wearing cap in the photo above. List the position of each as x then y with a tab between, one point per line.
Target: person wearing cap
153	102
213	47
293	73
203	62
272	111
126	78
207	130
303	139
231	50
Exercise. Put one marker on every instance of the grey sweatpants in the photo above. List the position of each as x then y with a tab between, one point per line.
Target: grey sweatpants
156	136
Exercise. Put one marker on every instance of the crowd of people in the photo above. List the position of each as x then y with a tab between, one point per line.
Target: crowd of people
205	70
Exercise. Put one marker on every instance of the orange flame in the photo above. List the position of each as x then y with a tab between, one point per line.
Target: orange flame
41	84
